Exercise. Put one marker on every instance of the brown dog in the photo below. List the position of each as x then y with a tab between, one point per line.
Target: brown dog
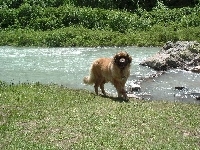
115	70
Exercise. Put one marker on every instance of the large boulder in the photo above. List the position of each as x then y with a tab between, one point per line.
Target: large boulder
196	69
180	54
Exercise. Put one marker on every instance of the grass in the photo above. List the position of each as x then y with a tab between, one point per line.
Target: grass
36	116
79	36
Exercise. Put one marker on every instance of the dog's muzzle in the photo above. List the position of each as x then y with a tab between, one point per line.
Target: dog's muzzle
122	63
122	60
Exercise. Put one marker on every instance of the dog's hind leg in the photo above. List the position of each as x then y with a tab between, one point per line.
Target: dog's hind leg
96	88
100	83
102	88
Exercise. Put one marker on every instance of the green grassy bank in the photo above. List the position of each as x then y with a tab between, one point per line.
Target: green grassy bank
79	36
35	116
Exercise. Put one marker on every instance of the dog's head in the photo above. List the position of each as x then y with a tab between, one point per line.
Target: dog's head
122	59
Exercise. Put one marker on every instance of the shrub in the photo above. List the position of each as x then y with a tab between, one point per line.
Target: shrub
7	17
43	3
94	26
39	18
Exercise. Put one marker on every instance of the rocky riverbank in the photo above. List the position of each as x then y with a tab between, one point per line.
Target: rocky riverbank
181	54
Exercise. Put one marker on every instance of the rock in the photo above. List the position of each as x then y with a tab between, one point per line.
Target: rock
157	62
196	95
196	69
181	54
133	96
179	87
133	87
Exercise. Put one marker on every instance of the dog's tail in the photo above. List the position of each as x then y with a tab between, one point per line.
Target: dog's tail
89	79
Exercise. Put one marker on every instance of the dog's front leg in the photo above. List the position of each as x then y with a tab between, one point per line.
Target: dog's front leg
115	83
124	94
120	90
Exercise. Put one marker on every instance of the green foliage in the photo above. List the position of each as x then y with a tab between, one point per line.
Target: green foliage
7	17
79	36
162	23
39	18
129	5
43	3
72	36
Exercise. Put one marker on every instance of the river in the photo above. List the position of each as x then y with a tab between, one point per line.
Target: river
68	66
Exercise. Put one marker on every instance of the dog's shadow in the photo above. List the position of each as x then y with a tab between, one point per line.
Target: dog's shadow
116	99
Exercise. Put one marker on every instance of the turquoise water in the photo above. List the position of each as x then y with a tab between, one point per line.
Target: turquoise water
68	66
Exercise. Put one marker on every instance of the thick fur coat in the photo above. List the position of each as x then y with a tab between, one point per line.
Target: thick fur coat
115	70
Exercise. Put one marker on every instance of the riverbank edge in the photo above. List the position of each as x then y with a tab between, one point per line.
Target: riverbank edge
82	37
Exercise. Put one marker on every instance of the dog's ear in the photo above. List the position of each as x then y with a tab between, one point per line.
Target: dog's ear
116	57
129	58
